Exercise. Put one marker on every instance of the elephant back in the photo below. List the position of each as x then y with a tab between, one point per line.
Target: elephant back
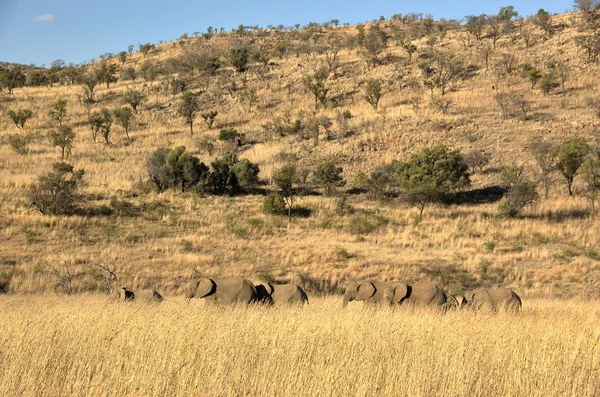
427	294
234	290
286	294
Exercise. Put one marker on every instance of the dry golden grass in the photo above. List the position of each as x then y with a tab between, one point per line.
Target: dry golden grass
86	345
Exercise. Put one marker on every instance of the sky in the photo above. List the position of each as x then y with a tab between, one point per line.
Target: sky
40	31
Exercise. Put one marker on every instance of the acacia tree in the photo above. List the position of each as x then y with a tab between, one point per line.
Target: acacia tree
521	191
11	79
58	110
286	178
63	137
100	122
373	92
591	176
20	116
372	43
571	155
430	175
188	107
106	73
133	98
123	117
315	83
328	176
545	154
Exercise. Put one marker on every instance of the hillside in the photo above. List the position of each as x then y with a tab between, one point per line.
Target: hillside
551	249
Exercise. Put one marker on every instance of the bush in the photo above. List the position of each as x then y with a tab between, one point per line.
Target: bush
20	116
133	98
230	135
239	56
360	225
63	138
245	171
19	143
169	168
274	204
521	192
327	176
57	193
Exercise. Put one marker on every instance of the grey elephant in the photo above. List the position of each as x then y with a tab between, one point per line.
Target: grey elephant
368	291
416	294
281	294
493	298
222	290
142	295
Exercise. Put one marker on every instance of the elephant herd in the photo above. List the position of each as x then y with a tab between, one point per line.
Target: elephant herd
239	290
429	294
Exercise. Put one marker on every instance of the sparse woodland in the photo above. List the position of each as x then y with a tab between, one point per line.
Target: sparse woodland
503	91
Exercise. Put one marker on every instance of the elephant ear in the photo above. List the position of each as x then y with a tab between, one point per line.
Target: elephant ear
206	287
365	291
400	292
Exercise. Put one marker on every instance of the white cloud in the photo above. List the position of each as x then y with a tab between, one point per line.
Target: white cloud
44	18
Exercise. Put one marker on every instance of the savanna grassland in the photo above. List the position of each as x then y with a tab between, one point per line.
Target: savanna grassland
83	344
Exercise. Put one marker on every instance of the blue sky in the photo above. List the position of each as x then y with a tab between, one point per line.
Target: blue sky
40	31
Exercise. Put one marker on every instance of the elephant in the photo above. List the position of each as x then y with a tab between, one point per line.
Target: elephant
417	294
493	298
281	294
369	291
222	290
124	294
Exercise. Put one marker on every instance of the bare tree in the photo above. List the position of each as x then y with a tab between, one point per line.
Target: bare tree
109	273
63	276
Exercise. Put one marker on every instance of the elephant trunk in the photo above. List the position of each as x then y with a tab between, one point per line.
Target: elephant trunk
347	298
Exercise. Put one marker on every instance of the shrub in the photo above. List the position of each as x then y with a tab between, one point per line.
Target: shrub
209	118
328	176
100	122
373	92
57	193
274	204
176	168
245	172
133	98
239	56
19	143
188	107
230	135
63	138
521	192
58	110
571	155
20	116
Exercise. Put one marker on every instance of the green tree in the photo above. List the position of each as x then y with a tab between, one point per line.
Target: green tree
58	110
274	204
20	116
545	154
188	107
571	155
315	83
475	24
239	56
547	83
543	20
100	123
124	117
328	176
146	48
122	57
591	176
63	137
57	193
106	73
11	79
286	178
373	92
410	49
133	98
521	191
176	168
89	83
19	143
431	175
222	178
372	43
209	118
245	171
507	13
